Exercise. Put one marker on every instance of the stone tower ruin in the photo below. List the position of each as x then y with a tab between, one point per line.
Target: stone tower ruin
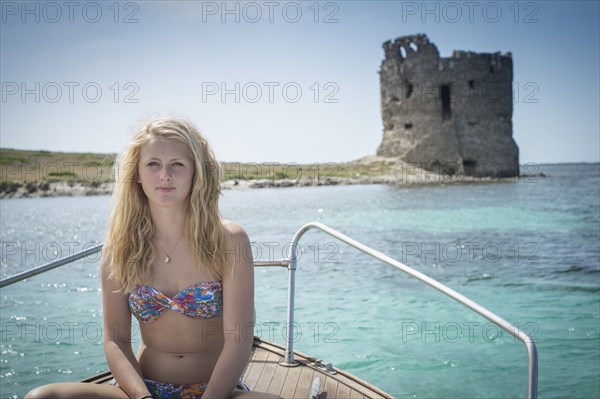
450	115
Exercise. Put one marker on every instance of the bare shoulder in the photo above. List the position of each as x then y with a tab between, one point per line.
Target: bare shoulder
235	231
239	249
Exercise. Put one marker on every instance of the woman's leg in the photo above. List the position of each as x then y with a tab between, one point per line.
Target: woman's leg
76	390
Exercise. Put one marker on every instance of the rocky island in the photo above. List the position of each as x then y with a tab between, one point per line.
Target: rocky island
446	120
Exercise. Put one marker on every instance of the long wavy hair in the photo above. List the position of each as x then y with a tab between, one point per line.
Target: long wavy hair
128	246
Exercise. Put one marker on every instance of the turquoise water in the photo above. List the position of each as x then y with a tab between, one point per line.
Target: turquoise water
527	250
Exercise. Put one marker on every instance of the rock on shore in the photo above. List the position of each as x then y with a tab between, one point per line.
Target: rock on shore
52	189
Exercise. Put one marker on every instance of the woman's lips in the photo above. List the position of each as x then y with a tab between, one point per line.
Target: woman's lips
165	189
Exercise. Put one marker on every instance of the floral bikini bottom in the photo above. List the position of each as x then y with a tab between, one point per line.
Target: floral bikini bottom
164	390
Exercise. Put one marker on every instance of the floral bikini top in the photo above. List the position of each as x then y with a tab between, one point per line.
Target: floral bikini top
202	300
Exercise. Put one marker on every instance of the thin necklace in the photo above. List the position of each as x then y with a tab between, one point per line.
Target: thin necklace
167	258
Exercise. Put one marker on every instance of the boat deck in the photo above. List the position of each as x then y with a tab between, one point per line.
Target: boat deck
265	374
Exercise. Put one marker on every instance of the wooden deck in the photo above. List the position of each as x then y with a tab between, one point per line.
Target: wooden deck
265	374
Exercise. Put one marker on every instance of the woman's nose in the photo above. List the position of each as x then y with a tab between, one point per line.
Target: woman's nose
165	173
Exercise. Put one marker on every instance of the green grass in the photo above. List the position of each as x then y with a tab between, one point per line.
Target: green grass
16	160
62	174
38	166
89	168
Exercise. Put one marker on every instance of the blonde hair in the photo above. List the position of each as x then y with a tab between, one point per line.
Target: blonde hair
128	247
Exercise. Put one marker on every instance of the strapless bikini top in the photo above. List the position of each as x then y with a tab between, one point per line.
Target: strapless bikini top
202	300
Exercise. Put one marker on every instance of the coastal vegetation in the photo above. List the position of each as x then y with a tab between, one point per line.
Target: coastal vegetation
40	173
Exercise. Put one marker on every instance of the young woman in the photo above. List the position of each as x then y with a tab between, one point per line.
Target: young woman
173	263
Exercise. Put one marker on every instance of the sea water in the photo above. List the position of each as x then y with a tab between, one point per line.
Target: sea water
528	250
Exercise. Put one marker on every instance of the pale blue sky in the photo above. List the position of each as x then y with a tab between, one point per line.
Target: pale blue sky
173	53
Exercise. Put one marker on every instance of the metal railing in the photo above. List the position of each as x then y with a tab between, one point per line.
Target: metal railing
532	369
49	266
87	252
291	264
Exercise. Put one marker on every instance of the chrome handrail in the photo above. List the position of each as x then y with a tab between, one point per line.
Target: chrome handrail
282	263
291	264
532	369
90	251
49	266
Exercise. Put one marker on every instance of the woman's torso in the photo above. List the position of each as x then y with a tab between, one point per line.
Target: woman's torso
176	347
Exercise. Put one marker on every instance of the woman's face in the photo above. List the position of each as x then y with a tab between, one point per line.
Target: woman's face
166	171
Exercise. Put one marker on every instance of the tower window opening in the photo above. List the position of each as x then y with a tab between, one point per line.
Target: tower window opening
402	53
445	96
409	89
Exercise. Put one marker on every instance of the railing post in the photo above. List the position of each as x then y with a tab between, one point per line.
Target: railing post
288	360
532	370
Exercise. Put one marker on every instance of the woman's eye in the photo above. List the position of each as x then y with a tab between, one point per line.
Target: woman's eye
152	163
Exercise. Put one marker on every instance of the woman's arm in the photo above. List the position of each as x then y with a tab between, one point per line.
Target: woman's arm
238	312
117	337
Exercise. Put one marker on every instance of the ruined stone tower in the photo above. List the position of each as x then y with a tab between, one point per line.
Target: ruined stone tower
451	115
